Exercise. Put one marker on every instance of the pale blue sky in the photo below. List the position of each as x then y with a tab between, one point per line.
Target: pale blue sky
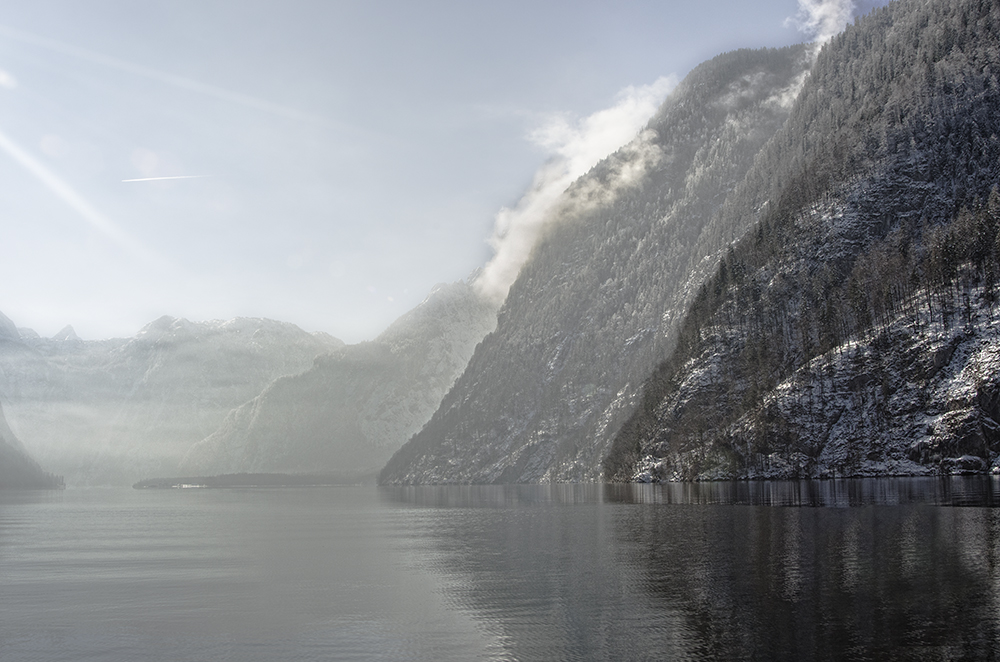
353	154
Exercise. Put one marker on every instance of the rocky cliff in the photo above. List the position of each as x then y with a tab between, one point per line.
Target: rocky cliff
791	178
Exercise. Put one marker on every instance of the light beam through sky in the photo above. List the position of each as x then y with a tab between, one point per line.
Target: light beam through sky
319	163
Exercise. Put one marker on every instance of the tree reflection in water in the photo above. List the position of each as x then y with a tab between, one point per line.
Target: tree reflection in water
879	569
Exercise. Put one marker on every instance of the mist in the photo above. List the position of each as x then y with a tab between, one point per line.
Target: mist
575	147
821	20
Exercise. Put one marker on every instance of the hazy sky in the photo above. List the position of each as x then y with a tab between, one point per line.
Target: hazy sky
340	157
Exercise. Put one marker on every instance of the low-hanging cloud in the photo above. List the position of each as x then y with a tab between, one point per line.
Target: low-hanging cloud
576	147
822	19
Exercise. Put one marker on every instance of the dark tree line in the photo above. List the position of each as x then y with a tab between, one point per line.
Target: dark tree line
20	472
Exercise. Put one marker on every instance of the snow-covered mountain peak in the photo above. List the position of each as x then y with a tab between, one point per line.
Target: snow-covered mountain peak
8	330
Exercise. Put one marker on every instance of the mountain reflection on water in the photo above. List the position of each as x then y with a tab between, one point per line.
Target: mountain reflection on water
873	569
883	569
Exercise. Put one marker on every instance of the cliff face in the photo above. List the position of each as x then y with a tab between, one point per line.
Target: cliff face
355	406
853	332
599	300
17	469
820	228
113	411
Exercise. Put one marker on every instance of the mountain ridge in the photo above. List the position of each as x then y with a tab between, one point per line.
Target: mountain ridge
896	119
850	334
354	407
610	277
109	411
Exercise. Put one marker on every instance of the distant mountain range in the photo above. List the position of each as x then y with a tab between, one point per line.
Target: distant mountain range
356	406
235	397
109	411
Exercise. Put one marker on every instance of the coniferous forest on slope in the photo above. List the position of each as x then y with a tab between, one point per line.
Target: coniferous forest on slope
892	135
601	296
851	331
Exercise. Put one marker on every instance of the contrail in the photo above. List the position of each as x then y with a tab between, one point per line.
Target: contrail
65	192
156	179
162	76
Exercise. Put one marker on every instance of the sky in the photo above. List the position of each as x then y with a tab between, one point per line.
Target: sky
323	163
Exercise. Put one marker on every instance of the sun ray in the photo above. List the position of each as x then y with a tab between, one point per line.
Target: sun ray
78	203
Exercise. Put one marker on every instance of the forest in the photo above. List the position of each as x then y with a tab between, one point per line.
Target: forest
885	213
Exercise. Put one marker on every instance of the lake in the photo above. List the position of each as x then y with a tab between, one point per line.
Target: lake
846	569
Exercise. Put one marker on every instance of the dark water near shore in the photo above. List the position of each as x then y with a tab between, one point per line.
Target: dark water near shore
865	569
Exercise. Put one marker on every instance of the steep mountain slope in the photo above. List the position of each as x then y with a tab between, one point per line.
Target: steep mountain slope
854	331
113	411
17	470
358	405
599	299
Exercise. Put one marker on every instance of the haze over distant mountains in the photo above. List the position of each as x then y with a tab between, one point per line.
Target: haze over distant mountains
244	395
108	411
17	469
356	406
791	271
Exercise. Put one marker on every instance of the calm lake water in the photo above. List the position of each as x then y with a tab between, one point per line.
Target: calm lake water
864	569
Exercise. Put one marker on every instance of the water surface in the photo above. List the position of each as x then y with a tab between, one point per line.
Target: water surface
865	569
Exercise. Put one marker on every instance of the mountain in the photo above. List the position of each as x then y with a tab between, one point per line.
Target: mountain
113	411
355	406
787	179
854	330
17	469
599	300
8	331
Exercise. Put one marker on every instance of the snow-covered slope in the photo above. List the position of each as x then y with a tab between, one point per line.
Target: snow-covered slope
358	405
854	330
598	301
895	121
113	411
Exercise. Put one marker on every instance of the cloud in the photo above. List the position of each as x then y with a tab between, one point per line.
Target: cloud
575	148
822	19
